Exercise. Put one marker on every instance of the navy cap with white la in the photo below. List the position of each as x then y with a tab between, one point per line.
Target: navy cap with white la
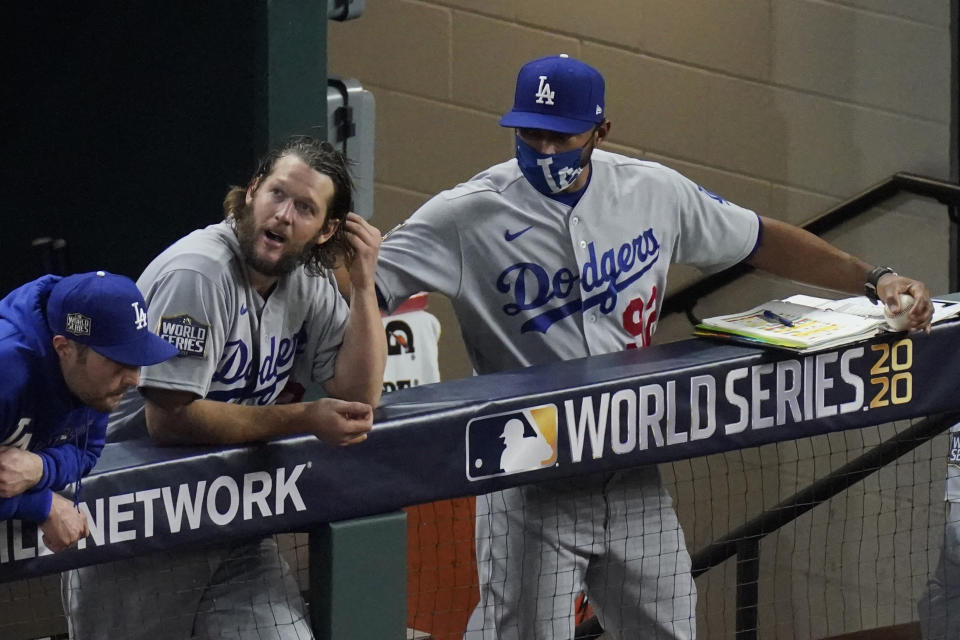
557	93
107	313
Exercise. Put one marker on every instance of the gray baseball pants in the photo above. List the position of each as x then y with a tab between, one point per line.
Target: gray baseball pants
939	607
243	591
614	535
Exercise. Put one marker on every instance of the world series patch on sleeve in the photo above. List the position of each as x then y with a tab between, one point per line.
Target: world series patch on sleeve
185	333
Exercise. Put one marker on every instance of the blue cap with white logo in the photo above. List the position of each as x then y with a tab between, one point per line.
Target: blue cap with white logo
107	313
557	93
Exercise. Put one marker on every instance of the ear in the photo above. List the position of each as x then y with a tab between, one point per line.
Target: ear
330	228
251	190
62	345
603	131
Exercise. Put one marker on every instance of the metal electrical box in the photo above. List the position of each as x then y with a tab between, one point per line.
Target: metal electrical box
350	127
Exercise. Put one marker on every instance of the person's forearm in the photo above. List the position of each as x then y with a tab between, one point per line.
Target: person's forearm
358	374
212	422
34	507
791	252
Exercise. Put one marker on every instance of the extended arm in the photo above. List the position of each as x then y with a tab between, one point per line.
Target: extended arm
20	471
791	252
34	507
65	462
360	362
65	526
179	417
61	522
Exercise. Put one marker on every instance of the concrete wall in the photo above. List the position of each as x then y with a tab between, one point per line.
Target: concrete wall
783	106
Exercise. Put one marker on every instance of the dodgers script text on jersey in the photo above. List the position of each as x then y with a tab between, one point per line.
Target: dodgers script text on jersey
234	346
518	296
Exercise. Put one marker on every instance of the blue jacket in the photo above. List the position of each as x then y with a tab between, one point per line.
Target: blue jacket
37	411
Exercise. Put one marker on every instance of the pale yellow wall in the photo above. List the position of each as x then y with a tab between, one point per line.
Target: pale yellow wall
783	106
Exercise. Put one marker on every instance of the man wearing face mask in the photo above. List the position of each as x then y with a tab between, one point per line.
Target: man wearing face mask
563	253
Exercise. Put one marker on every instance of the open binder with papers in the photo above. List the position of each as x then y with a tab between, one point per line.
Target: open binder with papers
805	324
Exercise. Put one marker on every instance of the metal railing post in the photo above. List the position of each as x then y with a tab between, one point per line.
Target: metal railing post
748	577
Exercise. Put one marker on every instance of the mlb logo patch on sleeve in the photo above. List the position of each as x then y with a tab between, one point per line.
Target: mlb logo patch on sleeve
512	442
186	334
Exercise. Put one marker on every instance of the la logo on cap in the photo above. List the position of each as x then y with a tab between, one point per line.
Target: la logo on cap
544	95
139	316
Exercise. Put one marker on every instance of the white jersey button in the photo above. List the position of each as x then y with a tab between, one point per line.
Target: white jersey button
583	244
576	220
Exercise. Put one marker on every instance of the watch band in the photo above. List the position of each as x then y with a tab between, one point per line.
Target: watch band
870	286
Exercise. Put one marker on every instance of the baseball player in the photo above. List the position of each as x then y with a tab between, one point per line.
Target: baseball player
251	305
563	253
69	348
939	608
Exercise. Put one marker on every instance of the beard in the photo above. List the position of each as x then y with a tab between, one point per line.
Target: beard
291	258
105	404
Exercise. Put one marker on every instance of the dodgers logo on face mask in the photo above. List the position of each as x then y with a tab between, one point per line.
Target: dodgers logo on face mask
549	173
512	442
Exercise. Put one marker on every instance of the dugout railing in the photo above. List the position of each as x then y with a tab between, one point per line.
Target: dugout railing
431	442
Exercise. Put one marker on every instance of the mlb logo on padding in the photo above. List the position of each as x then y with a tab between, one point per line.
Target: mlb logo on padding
512	442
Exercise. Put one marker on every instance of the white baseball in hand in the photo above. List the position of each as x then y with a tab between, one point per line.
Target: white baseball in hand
899	321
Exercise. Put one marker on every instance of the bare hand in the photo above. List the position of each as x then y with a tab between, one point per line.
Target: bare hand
338	422
65	526
365	240
889	288
19	471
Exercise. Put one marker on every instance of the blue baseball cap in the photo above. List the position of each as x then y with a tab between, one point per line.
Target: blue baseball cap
107	313
557	93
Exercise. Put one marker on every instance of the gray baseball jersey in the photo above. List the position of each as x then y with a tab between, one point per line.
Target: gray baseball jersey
534	281
234	346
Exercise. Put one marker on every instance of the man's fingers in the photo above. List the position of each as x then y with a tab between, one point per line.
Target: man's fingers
50	544
357	440
361	231
353	410
356	427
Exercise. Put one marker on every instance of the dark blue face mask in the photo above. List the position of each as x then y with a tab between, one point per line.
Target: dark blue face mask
550	173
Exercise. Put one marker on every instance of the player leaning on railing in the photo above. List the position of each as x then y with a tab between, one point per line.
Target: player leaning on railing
250	303
69	348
